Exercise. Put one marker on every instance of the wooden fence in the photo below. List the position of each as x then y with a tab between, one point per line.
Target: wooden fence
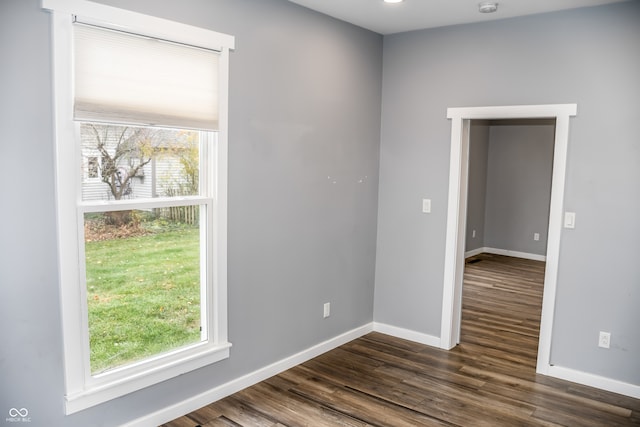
183	214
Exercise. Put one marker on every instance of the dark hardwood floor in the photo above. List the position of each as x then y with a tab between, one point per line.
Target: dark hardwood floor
488	380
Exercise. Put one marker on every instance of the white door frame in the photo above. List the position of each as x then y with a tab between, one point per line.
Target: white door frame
457	215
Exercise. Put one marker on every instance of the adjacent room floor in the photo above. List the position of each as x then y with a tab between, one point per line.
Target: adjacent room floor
487	380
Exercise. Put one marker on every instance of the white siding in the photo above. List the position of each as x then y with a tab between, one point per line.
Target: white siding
164	172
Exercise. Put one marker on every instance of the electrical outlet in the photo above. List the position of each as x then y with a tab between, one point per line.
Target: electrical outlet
473	234
536	236
604	340
327	309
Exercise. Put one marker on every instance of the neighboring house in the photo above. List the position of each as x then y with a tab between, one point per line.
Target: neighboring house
162	175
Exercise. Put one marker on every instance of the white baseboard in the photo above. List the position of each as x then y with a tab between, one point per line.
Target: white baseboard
579	377
224	390
505	252
596	381
189	405
407	334
474	252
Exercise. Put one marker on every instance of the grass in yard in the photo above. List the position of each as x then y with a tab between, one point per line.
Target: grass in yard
143	296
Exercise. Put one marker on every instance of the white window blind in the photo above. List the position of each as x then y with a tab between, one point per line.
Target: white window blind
126	78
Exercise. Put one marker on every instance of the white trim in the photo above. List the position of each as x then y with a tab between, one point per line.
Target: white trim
196	402
553	240
513	112
591	380
454	249
474	252
66	190
505	252
82	390
407	334
138	23
220	182
162	371
454	246
132	204
212	395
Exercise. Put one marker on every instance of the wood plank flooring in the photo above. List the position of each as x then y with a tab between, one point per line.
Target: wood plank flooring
488	380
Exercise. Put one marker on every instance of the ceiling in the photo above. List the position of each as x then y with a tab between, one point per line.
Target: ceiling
387	18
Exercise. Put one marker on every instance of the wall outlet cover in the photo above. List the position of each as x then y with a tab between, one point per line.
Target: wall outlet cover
604	340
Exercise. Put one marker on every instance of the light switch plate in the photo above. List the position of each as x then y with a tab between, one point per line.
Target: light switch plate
426	205
569	220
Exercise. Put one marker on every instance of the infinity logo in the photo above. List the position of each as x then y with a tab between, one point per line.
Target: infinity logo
23	412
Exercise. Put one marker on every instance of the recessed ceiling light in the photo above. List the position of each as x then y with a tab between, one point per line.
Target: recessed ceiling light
487	7
393	1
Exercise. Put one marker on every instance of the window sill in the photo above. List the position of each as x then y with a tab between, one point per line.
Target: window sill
117	383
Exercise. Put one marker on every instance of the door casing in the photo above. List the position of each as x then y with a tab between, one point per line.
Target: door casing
457	214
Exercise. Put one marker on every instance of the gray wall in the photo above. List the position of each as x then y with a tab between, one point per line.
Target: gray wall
520	162
305	105
589	57
477	189
304	146
510	165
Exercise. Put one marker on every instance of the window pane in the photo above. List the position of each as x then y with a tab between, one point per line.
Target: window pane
139	162
143	283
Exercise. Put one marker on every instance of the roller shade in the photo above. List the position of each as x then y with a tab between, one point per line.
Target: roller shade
126	78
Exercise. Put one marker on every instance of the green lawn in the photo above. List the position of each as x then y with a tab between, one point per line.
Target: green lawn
143	296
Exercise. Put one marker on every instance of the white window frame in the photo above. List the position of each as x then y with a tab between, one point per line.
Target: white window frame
82	389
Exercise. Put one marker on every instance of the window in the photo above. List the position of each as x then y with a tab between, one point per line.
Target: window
144	270
93	167
140	108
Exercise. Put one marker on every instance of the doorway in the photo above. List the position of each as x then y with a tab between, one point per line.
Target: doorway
509	190
457	212
509	187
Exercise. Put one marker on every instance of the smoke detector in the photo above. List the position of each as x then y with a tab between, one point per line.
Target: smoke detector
488	7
